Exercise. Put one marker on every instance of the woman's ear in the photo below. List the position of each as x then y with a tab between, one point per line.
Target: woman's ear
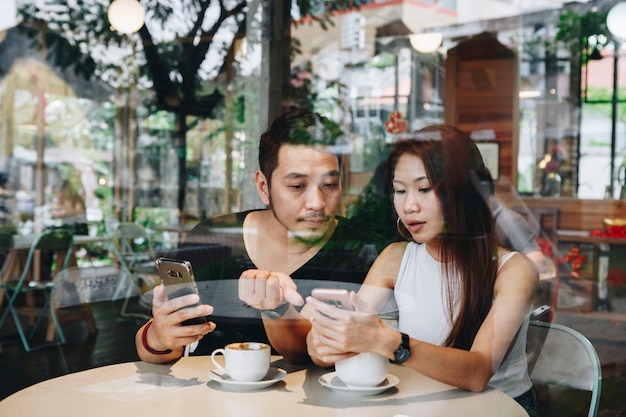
262	187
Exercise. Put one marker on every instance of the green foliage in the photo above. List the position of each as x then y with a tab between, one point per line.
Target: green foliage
302	79
600	99
168	53
374	211
574	30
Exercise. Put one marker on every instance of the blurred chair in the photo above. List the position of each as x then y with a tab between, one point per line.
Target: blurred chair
137	255
542	313
135	248
558	355
75	289
60	243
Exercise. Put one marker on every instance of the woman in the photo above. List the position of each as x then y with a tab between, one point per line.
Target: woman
70	206
463	302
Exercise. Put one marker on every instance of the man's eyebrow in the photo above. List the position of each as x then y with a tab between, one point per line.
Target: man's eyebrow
298	175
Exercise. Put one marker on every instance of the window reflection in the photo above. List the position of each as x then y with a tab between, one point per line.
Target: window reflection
357	72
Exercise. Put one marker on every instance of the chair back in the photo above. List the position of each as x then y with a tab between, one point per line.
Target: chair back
134	244
86	285
53	240
57	241
559	355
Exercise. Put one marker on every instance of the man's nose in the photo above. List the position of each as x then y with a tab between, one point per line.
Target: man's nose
315	199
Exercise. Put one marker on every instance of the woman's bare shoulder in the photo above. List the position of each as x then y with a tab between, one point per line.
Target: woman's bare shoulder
394	250
517	269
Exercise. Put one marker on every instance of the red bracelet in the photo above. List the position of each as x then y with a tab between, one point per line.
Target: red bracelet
144	342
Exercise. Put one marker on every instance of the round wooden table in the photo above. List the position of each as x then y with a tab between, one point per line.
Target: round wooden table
185	389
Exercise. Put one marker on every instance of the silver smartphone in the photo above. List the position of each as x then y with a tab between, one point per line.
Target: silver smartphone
334	296
177	277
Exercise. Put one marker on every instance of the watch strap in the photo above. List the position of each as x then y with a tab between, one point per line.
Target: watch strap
403	353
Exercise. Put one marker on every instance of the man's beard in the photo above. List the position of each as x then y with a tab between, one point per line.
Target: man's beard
309	238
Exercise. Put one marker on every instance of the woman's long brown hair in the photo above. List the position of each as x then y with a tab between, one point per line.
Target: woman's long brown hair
455	168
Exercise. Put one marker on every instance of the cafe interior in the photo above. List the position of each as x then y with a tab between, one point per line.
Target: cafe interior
150	112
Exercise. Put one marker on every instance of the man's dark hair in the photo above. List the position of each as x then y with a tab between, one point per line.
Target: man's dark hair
295	126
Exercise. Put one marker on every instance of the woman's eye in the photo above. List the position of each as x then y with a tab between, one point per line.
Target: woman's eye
424	189
296	186
399	191
331	185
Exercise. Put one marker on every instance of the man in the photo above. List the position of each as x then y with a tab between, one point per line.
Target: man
515	233
269	258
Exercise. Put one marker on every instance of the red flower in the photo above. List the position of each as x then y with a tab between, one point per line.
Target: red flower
617	276
395	123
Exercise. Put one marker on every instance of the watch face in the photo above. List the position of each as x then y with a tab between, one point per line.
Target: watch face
404	350
402	355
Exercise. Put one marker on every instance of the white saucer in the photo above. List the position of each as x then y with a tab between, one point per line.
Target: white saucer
332	381
273	376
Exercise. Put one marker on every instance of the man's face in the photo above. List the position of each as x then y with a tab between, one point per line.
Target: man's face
305	192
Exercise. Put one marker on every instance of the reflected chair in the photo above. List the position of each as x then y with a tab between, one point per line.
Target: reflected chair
59	242
75	289
135	248
560	356
136	254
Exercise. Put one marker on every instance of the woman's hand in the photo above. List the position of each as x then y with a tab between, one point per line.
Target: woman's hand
267	290
338	334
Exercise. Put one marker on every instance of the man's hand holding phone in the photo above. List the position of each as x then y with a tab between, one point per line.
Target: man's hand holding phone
166	331
179	318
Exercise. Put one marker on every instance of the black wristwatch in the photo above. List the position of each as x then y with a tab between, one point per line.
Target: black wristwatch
404	350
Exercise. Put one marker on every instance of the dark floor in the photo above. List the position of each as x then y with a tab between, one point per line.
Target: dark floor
114	343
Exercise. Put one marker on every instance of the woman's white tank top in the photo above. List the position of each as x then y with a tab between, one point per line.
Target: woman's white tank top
424	314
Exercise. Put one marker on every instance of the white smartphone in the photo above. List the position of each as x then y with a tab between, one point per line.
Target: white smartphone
177	277
334	296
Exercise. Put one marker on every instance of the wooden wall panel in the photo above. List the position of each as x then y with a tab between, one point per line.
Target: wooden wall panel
577	214
481	88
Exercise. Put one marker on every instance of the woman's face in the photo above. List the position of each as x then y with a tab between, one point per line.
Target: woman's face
415	200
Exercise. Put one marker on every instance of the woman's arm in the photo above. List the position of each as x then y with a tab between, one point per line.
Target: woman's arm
513	292
365	325
514	289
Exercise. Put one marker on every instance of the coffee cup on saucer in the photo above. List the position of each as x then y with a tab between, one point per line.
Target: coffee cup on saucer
244	361
366	369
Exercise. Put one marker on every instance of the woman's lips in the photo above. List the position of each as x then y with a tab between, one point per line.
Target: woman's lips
415	226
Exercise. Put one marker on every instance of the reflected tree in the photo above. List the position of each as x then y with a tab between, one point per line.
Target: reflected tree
180	53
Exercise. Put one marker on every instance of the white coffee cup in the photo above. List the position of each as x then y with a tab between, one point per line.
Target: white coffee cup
366	369
245	361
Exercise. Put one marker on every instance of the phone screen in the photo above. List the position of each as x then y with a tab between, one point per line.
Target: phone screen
334	296
177	277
